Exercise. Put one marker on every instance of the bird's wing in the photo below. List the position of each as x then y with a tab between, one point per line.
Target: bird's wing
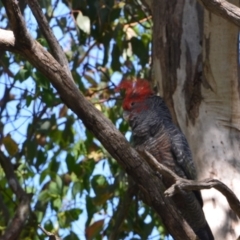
183	157
182	154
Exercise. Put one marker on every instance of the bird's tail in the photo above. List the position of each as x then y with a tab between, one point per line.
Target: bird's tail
205	233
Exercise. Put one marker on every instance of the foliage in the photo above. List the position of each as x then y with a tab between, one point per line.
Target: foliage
77	187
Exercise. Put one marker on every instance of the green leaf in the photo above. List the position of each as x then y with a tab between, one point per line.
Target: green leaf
141	50
99	184
71	236
10	145
115	13
40	159
66	217
57	203
41	80
29	100
91	209
39	215
53	190
54	166
62	219
44	196
71	163
31	150
77	187
73	214
59	182
22	75
115	58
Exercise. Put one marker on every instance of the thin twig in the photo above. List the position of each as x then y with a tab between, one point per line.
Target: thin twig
49	234
223	9
48	34
86	53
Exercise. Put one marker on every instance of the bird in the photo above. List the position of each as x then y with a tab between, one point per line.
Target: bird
154	131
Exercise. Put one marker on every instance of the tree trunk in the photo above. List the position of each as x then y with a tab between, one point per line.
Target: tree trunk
195	64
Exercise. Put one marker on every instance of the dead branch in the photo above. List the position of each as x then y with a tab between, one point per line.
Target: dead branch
182	184
223	9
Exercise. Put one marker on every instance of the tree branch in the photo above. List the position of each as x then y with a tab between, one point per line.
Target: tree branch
47	32
15	227
189	185
223	9
4	210
182	184
49	234
17	24
7	97
7	39
122	211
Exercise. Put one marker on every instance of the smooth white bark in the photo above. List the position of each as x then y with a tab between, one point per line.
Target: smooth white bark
214	138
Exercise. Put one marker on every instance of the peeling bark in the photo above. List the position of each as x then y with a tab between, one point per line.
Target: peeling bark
200	84
167	18
218	122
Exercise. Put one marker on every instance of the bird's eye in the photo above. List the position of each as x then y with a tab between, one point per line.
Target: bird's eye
132	104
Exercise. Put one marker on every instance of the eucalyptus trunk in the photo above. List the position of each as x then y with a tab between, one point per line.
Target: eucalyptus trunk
195	65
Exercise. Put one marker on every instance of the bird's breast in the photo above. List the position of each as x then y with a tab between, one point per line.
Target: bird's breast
160	147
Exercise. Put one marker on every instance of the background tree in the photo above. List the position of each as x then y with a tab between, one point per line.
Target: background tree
196	66
52	162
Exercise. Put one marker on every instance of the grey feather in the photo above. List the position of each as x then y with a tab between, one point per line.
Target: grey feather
153	129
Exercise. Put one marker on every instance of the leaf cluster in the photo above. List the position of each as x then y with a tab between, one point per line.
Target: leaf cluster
78	190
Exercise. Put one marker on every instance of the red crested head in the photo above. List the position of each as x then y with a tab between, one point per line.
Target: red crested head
135	91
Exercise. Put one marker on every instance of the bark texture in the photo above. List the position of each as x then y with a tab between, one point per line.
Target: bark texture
218	125
195	63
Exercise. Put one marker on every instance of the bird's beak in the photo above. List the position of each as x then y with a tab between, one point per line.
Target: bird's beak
126	115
